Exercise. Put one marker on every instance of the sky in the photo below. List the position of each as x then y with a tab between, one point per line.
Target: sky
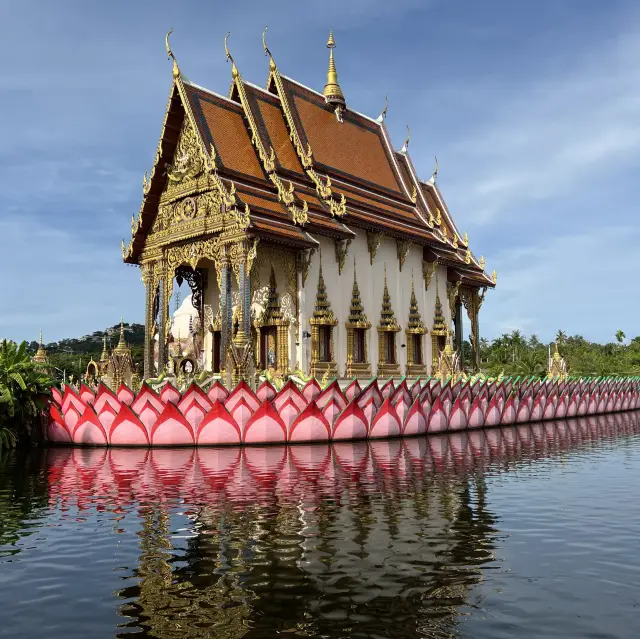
533	109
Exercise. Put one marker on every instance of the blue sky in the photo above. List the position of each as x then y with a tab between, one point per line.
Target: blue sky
533	109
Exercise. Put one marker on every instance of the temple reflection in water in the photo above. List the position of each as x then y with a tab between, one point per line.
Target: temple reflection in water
310	540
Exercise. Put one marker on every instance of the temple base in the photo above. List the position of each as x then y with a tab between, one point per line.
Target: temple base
358	371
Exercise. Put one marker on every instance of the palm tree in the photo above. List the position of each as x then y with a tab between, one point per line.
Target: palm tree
531	363
620	336
534	341
561	337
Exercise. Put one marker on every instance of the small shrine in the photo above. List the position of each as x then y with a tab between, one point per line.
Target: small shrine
557	368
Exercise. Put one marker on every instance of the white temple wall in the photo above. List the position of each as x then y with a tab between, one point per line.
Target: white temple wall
371	284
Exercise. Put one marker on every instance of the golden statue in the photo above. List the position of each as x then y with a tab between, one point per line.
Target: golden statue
557	365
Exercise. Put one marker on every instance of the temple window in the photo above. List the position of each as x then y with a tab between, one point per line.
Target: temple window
417	349
322	323
272	334
415	333
387	329
359	346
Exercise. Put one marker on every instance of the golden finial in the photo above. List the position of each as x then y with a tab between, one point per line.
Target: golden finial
467	257
494	276
455	240
435	172
482	262
405	146
176	71
465	239
332	91
234	69
272	64
124	250
383	114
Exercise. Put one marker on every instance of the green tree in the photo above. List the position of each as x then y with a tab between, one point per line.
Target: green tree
24	387
620	336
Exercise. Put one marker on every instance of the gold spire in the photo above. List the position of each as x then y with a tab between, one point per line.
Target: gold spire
439	325
415	321
356	310
122	344
332	91
41	355
387	316
272	312
322	310
105	354
176	70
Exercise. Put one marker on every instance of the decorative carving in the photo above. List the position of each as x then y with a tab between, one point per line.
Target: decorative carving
415	331
494	277
322	319
303	263
453	290
402	250
482	262
428	269
373	242
342	248
188	158
414	194
323	189
467	257
193	252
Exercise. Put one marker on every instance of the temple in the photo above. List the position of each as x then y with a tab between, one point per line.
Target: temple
308	241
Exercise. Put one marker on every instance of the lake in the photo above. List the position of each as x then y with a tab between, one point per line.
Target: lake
515	532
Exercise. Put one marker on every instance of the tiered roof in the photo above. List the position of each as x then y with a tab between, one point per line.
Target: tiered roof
303	162
272	312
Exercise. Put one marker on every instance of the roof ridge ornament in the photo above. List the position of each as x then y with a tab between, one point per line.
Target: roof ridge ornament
383	114
272	63
234	69
176	70
434	175
405	146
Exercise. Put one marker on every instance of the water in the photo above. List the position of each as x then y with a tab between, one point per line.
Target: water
522	532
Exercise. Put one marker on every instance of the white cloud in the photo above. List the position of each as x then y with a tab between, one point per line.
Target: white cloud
580	283
569	126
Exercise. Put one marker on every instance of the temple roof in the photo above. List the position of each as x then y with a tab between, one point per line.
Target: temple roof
303	165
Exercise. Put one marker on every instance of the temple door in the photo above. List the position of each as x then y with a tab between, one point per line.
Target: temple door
269	347
217	343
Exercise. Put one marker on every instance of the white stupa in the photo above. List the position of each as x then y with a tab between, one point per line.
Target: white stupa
182	317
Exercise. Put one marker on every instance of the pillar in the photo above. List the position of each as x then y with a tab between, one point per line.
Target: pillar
165	298
458	330
149	296
226	310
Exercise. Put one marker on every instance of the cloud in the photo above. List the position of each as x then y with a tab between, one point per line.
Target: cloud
571	125
578	283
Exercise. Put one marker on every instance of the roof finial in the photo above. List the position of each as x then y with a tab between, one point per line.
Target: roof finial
272	64
234	69
383	114
176	71
405	146
435	172
332	91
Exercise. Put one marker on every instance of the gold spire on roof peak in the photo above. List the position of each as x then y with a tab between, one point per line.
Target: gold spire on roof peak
122	344
176	70
332	91
105	353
